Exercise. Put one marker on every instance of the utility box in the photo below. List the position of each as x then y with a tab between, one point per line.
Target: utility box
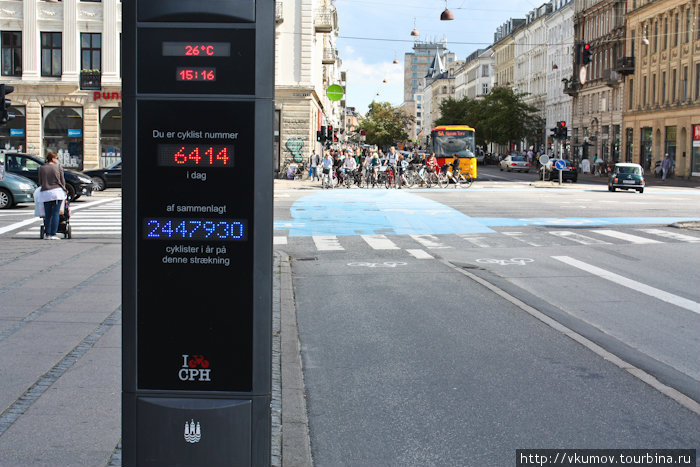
197	232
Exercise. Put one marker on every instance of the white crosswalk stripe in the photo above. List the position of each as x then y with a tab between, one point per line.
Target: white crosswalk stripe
420	254
625	236
379	242
671	235
86	221
327	243
429	241
578	238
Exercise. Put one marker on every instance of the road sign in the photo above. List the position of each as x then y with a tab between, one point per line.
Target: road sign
197	243
544	158
335	92
560	164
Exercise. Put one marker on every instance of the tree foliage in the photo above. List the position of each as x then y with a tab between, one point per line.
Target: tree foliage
499	117
385	124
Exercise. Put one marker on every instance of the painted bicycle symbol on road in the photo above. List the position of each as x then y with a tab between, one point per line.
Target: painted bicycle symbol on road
506	262
386	264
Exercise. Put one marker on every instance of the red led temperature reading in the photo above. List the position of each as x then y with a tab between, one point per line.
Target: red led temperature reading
196	74
196	49
188	155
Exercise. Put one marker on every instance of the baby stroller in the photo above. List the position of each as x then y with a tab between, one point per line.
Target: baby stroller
63	223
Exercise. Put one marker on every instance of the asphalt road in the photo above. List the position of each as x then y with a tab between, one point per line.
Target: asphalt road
424	320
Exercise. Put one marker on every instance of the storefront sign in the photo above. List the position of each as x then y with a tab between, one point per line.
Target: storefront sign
97	95
16	131
75	133
696	132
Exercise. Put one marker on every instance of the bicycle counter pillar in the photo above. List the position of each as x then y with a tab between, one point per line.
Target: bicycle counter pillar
197	232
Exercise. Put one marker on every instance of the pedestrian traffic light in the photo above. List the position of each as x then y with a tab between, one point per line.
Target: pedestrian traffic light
330	133
5	103
319	136
586	53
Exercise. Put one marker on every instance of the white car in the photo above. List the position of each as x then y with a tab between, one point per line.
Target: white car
510	163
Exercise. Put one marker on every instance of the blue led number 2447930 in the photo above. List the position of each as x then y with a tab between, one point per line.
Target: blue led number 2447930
195	229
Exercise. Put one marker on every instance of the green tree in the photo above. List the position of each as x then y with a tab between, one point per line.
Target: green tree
500	117
385	124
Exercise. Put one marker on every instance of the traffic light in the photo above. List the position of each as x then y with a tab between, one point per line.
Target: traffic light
586	53
323	134
319	136
561	130
335	136
555	132
5	103
330	133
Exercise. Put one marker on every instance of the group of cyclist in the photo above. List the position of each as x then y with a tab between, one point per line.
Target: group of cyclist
336	166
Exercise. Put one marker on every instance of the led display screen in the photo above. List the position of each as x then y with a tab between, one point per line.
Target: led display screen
196	49
195	155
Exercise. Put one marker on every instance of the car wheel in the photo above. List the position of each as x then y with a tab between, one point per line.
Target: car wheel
612	188
609	188
641	190
500	168
5	199
98	183
71	193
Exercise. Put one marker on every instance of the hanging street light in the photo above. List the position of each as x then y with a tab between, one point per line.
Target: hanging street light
447	14
415	31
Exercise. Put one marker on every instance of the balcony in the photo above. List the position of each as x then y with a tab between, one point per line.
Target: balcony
91	80
611	78
323	21
571	88
624	65
329	55
279	13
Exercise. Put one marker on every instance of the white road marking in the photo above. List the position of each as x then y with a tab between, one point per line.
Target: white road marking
632	284
379	242
474	240
578	238
518	236
671	235
625	236
327	243
429	241
278	240
420	254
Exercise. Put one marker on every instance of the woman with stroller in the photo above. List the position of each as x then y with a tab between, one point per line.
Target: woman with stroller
53	192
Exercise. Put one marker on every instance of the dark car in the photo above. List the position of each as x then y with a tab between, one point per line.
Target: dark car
15	189
626	176
109	177
26	165
568	173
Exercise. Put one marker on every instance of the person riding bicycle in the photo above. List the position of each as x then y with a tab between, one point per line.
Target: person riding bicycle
374	164
327	167
402	166
349	165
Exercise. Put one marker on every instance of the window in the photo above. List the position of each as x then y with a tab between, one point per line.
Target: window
417	114
687	25
51	54
414	67
90	51
414	75
678	32
673	86
631	93
685	84
663	87
644	91
484	71
414	82
656	36
665	33
484	89
418	106
653	88
12	53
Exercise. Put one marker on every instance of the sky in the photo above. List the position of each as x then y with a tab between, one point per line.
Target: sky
373	33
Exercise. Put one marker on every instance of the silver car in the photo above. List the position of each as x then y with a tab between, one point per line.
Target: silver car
518	163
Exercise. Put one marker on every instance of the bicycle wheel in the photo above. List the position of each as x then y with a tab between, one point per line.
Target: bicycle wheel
466	180
443	181
410	179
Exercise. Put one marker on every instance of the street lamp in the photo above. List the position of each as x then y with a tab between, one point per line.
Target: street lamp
415	31
447	14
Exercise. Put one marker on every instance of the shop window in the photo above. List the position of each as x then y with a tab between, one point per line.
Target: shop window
670	147
13	133
51	44
645	147
110	135
90	51
63	134
12	53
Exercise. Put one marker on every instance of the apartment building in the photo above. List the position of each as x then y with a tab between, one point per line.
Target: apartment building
559	67
63	60
475	77
662	102
306	64
504	52
597	107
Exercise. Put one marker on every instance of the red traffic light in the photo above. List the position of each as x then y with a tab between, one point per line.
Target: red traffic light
586	46
562	124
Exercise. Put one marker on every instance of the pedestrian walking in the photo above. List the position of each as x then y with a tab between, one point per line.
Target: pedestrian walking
314	162
665	166
53	193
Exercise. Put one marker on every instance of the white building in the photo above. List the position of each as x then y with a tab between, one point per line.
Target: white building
48	48
530	74
306	63
475	78
560	59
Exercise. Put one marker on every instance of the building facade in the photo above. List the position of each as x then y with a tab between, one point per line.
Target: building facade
662	102
530	63
306	64
475	77
63	60
597	107
559	67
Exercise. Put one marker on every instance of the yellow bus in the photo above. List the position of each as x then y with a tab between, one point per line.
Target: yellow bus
455	141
